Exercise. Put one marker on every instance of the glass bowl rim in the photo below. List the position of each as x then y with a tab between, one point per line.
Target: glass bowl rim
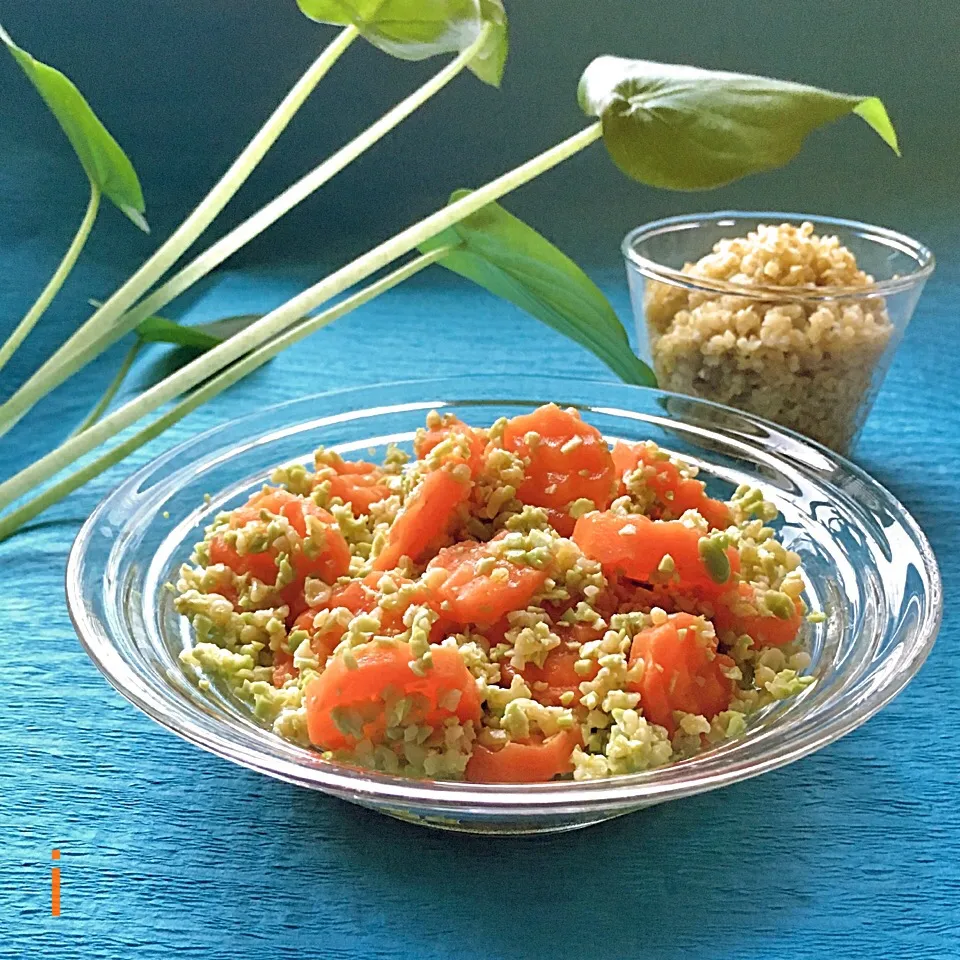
703	772
919	252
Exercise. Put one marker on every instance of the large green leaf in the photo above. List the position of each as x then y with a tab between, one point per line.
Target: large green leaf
418	29
510	259
689	129
103	161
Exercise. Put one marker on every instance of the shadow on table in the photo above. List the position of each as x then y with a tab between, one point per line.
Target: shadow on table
164	362
69	523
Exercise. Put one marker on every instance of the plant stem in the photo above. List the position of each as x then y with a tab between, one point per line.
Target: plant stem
182	238
56	281
256	358
98	411
273	211
289	313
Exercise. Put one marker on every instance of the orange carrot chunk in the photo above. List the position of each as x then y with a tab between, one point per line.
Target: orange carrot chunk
425	517
360	490
343	701
568	459
330	561
636	546
363	596
333	560
534	762
766	631
681	671
322	641
450	426
283	668
355	468
556	677
263	566
675	493
469	596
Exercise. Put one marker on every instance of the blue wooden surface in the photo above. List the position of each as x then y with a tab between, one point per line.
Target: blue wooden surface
851	853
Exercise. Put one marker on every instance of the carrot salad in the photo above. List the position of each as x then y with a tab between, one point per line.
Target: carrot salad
512	604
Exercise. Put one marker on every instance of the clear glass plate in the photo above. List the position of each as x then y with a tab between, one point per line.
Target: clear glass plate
868	566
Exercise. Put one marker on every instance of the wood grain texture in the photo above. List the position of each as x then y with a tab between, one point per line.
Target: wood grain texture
851	853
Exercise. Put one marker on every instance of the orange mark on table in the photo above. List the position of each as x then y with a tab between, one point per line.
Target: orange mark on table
55	886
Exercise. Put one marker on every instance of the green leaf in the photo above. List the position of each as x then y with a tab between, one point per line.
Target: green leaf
161	330
227	327
510	259
872	110
418	29
100	155
689	129
202	336
489	63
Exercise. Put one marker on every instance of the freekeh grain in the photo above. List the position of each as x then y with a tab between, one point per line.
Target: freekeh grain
803	352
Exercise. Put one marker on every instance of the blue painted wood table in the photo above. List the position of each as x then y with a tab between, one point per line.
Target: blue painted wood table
851	853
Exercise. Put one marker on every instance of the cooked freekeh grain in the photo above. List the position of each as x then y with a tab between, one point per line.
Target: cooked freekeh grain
802	360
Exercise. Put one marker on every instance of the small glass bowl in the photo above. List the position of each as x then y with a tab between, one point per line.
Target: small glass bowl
867	563
817	363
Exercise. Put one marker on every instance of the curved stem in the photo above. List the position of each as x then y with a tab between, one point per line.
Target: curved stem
289	313
56	281
299	191
183	237
257	223
104	402
14	520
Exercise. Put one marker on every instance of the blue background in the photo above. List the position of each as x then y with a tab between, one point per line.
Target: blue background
853	852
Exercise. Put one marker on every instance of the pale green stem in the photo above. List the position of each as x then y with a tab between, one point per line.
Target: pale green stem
16	518
289	313
273	211
183	237
256	224
56	281
104	402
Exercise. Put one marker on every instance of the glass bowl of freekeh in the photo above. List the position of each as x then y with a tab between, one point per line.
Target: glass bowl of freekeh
792	318
505	605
